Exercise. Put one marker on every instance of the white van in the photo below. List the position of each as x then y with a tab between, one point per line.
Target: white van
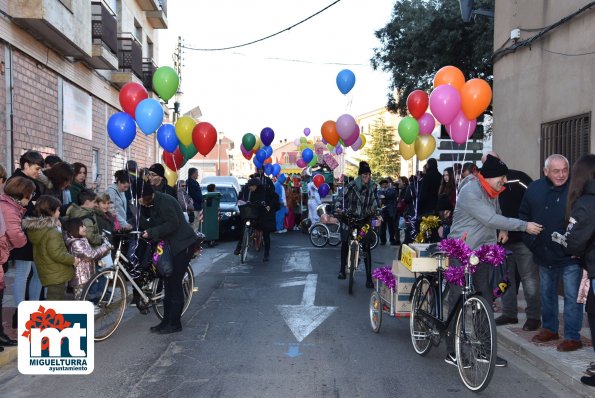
227	180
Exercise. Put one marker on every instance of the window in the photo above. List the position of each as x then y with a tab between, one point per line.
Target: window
138	31
570	137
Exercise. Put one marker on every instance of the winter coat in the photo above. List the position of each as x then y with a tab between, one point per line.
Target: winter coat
167	222
185	201
358	199
313	194
428	192
545	204
195	193
164	188
580	239
390	202
479	217
267	197
511	197
120	203
54	263
86	257
105	222
13	213
75	189
89	218
4	250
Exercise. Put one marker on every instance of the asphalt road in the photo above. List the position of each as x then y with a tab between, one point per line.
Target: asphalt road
286	328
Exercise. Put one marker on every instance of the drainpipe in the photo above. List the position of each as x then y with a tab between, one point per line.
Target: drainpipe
9	108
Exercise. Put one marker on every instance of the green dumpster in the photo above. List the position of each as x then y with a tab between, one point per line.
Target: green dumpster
210	225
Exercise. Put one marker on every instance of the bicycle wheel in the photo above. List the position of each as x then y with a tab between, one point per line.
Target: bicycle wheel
352	261
375	311
108	292
475	343
334	237
319	235
157	292
420	327
373	239
245	244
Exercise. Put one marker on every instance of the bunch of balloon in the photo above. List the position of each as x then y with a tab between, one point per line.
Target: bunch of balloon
457	103
416	130
121	126
323	187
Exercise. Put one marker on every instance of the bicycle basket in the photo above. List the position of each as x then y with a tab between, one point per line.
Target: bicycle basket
249	212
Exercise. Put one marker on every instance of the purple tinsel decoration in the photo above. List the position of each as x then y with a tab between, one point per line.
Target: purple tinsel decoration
385	274
458	249
491	254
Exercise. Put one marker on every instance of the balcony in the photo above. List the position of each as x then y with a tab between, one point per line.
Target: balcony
158	18
149	68
130	61
58	24
148	5
104	33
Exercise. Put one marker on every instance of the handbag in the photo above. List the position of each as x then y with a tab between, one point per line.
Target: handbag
401	206
163	259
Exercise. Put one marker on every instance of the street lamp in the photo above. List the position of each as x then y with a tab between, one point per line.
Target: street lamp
177	100
220	134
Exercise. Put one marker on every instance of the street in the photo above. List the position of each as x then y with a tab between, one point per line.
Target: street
286	328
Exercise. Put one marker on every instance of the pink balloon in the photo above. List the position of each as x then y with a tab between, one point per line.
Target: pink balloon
355	146
301	163
353	137
426	124
461	128
345	126
445	103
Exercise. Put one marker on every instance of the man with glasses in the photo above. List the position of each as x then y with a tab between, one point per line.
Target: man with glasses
158	181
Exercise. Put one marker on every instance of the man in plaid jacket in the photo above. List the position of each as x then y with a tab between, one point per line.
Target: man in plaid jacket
358	198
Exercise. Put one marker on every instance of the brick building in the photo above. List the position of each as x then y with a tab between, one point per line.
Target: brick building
62	63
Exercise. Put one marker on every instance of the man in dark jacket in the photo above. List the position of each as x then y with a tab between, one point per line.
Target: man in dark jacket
195	193
159	182
545	203
428	188
520	265
388	197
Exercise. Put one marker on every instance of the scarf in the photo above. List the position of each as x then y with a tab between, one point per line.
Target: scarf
492	193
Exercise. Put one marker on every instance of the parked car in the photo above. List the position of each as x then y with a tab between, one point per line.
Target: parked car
229	212
221	180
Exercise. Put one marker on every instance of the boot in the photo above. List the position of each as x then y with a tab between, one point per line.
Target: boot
368	262
344	252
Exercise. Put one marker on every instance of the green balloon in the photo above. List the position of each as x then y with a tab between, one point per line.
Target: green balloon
314	161
248	141
408	130
188	151
165	82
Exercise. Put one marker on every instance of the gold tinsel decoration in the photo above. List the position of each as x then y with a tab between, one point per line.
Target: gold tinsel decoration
428	223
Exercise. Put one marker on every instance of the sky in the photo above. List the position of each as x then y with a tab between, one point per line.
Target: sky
287	82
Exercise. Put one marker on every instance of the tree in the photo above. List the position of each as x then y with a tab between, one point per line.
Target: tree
425	35
383	155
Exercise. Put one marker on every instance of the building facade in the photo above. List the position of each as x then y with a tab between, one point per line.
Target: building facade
62	64
544	81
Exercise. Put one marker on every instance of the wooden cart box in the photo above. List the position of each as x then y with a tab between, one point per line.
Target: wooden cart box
414	258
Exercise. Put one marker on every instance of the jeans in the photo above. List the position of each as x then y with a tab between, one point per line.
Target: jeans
173	299
573	312
522	260
22	269
388	223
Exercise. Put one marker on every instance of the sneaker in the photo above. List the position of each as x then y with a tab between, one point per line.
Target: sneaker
451	359
236	252
506	320
341	275
590	381
532	324
501	362
282	231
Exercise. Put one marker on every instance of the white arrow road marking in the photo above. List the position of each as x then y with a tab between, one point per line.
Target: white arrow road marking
297	262
304	318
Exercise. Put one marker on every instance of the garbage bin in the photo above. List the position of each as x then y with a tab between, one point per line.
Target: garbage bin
210	225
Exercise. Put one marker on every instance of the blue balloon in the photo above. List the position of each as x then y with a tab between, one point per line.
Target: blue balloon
261	155
307	155
268	150
276	169
167	138
257	162
268	169
282	177
121	128
345	81
149	115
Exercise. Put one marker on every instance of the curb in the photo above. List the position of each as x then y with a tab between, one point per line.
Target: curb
8	355
561	372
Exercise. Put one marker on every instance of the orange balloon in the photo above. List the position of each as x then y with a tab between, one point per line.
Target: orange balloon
476	96
267	160
449	75
329	132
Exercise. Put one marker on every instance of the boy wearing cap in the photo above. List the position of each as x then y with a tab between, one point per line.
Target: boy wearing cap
477	218
158	180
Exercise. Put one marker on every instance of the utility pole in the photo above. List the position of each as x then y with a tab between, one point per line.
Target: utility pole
177	58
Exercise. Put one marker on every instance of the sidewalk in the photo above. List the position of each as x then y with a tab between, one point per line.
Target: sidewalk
565	367
10	353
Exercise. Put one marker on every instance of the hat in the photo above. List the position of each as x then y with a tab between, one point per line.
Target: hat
493	167
253	181
158	169
143	188
364	167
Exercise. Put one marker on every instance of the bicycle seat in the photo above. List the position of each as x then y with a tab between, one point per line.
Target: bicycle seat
434	251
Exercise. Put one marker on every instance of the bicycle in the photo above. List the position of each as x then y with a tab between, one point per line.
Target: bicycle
109	291
359	229
251	237
328	231
475	327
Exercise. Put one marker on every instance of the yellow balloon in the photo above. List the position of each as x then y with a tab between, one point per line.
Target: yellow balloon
424	146
171	176
363	137
407	150
257	144
184	127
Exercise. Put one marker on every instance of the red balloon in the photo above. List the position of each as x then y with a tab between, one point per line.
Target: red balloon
417	103
247	155
173	160
204	137
318	180
130	96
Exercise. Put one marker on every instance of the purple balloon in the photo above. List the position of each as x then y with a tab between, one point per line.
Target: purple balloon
426	124
338	149
358	142
244	150
445	103
306	131
461	128
301	163
324	141
345	126
323	190
267	135
353	137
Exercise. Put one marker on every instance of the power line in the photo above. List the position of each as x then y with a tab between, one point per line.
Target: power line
264	38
